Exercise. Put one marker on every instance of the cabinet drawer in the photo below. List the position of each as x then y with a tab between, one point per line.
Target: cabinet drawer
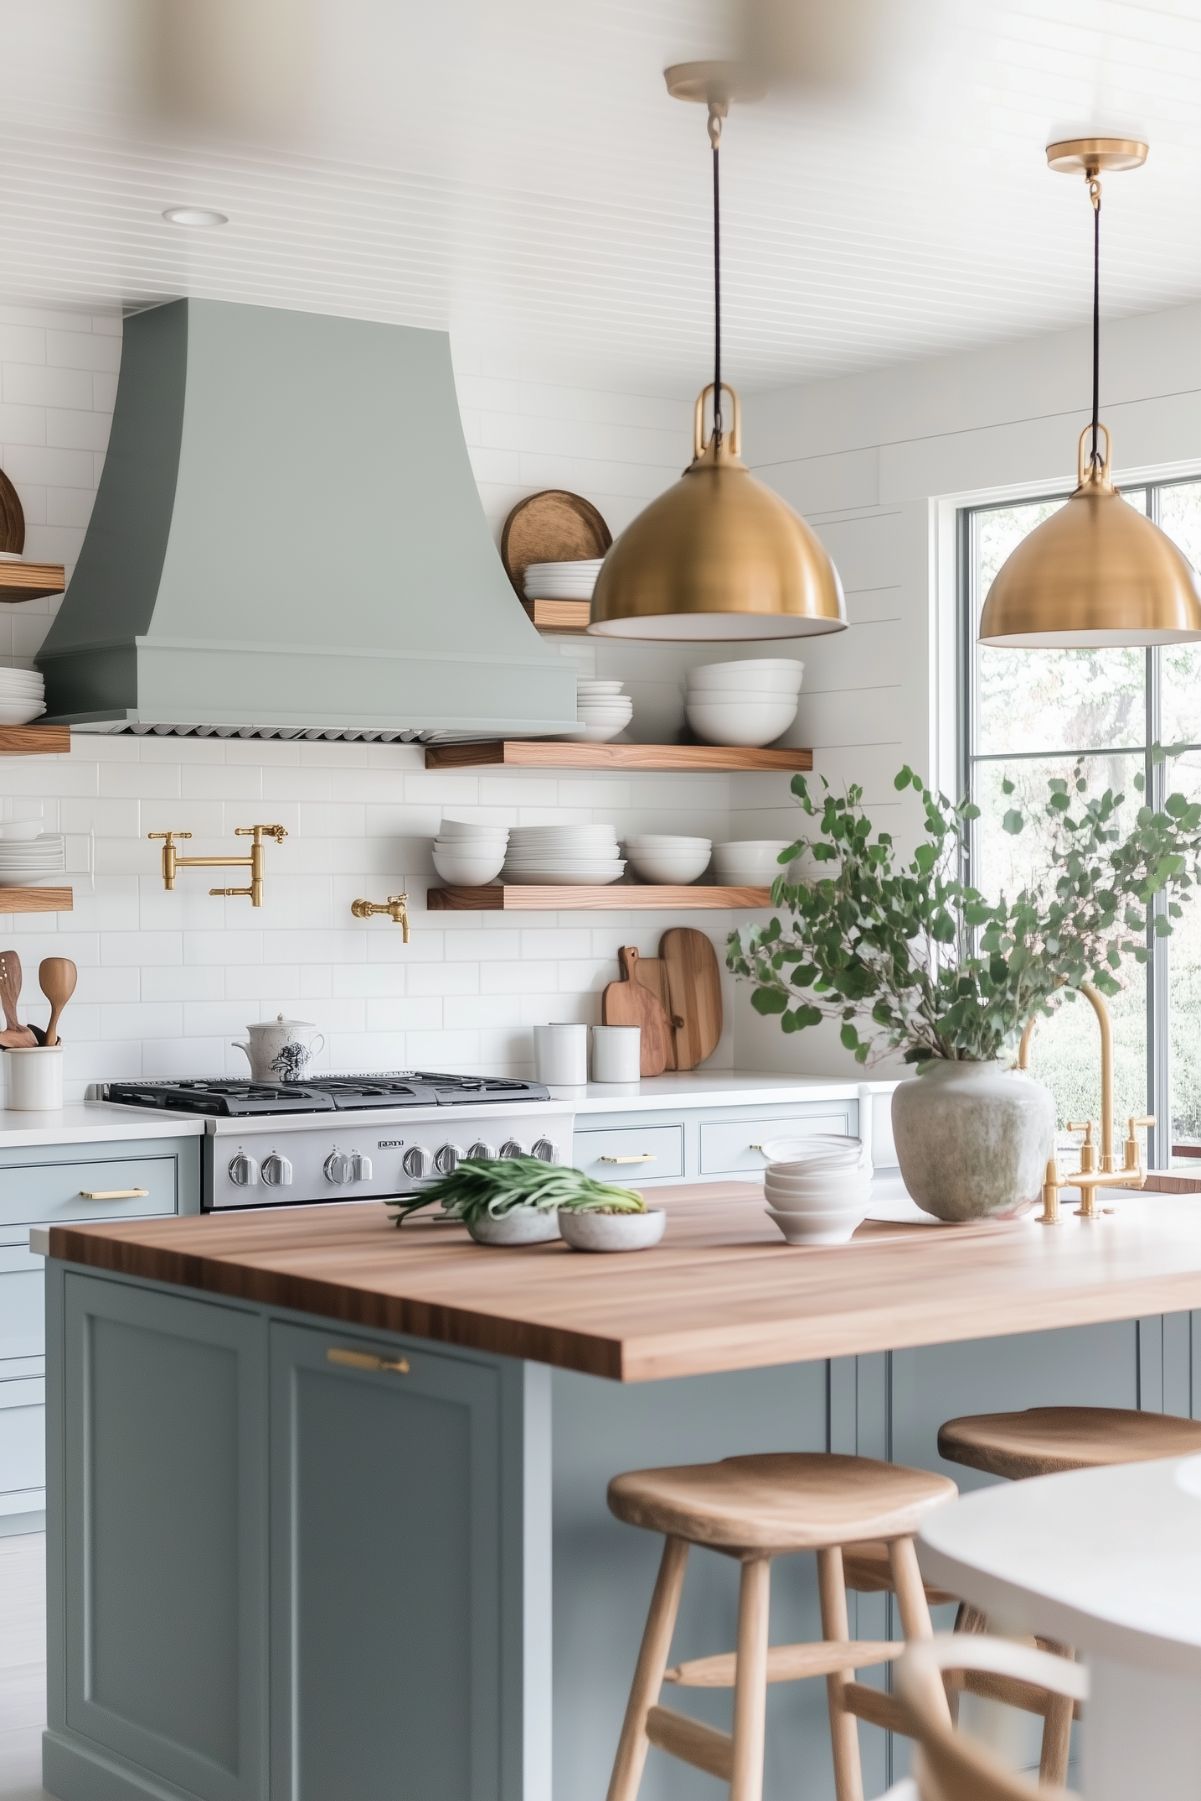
22	1303
22	1435
91	1188
729	1146
629	1155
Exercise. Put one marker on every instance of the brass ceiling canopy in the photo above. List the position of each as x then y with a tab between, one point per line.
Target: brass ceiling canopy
718	556
1097	572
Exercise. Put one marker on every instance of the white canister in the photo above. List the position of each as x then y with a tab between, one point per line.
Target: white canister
280	1050
33	1078
561	1055
616	1053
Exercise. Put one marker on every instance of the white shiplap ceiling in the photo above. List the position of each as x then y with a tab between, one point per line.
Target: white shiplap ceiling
513	169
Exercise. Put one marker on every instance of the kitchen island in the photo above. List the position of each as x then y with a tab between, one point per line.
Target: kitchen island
327	1500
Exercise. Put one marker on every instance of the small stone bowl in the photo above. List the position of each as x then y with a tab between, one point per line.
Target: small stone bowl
520	1226
591	1231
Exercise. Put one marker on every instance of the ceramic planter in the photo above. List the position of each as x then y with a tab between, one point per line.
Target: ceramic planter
591	1230
521	1225
973	1139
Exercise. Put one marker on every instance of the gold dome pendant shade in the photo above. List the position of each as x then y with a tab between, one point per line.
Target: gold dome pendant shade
718	556
1097	573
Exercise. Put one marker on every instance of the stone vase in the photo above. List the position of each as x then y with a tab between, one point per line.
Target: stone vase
973	1139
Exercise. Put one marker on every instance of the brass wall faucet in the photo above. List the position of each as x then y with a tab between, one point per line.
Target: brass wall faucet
396	907
1089	1177
172	861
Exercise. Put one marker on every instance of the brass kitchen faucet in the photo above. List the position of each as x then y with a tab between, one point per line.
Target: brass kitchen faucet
172	861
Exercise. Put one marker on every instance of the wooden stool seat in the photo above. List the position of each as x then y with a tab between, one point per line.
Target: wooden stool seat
1044	1441
780	1501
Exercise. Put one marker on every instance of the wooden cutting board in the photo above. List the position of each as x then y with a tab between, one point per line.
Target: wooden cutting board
692	981
628	1003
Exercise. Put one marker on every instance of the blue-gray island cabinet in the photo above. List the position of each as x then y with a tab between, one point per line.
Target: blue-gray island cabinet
326	1502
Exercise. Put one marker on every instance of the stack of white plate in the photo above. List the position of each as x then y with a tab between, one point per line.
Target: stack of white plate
562	581
817	1188
27	862
751	702
576	854
22	695
603	710
467	854
667	858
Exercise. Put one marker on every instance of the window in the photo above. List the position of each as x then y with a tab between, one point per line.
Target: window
1029	715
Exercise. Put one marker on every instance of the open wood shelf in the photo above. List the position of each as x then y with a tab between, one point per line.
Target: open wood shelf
36	900
627	897
34	740
559	615
542	753
30	581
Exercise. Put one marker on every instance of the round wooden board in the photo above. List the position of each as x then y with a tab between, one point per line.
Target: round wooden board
551	527
12	518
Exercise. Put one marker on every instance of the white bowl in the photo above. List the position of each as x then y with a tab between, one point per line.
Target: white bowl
668	841
761	856
465	871
815	1231
595	734
20	830
654	865
757	675
829	1191
612	1231
749	724
592	710
485	842
590	685
470	828
794	1156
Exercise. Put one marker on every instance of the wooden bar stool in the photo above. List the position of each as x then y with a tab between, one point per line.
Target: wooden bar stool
756	1509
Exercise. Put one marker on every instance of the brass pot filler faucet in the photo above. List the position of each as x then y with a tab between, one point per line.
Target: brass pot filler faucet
172	861
1091	1176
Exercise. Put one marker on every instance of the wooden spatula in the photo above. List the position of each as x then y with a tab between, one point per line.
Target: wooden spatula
58	976
15	1036
628	1003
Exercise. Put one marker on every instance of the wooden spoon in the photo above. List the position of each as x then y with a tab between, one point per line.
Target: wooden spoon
15	1036
58	976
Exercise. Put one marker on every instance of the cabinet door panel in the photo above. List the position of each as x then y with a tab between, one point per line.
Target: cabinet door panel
386	1570
165	1495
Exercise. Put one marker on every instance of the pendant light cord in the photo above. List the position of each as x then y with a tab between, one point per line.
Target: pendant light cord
715	141
1094	194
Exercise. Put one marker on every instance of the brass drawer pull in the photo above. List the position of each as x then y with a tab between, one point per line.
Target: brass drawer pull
113	1194
367	1360
641	1157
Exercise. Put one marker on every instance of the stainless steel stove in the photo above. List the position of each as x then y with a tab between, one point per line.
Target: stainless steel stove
353	1138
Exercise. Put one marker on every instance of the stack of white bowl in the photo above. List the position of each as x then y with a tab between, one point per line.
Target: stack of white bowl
575	854
817	1188
666	858
467	854
562	581
603	711
750	862
28	855
751	702
22	695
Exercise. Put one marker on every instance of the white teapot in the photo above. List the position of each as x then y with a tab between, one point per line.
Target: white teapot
280	1050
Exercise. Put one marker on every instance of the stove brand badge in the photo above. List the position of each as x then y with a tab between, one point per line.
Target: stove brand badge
390	1144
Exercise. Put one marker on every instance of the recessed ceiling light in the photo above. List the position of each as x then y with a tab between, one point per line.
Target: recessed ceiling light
194	215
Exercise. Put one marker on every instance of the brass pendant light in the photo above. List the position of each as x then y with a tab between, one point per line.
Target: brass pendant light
1097	572
718	556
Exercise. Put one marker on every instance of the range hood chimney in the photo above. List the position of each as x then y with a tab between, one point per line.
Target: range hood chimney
287	540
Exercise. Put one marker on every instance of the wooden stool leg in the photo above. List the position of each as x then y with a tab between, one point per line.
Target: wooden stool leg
844	1729
750	1681
911	1595
648	1672
1057	1730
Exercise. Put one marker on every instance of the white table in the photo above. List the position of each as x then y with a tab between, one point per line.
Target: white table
1108	1561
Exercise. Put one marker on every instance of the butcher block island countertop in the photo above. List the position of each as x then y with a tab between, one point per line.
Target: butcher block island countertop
723	1292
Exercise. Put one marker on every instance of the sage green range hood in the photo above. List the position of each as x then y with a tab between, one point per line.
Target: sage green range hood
288	541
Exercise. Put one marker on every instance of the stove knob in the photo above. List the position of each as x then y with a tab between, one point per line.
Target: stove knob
480	1149
277	1171
448	1158
361	1167
339	1168
416	1161
511	1148
243	1171
546	1151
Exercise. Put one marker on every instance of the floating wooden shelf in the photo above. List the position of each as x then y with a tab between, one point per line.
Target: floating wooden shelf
542	753
628	897
30	581
36	900
559	615
34	740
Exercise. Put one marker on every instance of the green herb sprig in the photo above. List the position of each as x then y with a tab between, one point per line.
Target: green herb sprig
489	1187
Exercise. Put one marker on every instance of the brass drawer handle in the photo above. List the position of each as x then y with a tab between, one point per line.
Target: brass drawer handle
642	1157
367	1360
113	1194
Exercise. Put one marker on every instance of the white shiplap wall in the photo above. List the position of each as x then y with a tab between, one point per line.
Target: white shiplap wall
167	980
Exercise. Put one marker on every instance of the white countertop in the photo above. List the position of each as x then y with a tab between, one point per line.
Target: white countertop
94	1122
718	1088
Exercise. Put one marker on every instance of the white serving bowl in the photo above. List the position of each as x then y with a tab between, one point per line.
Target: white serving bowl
605	707
825	1198
815	1230
756	675
467	871
651	864
595	734
749	724
754	863
468	828
668	841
